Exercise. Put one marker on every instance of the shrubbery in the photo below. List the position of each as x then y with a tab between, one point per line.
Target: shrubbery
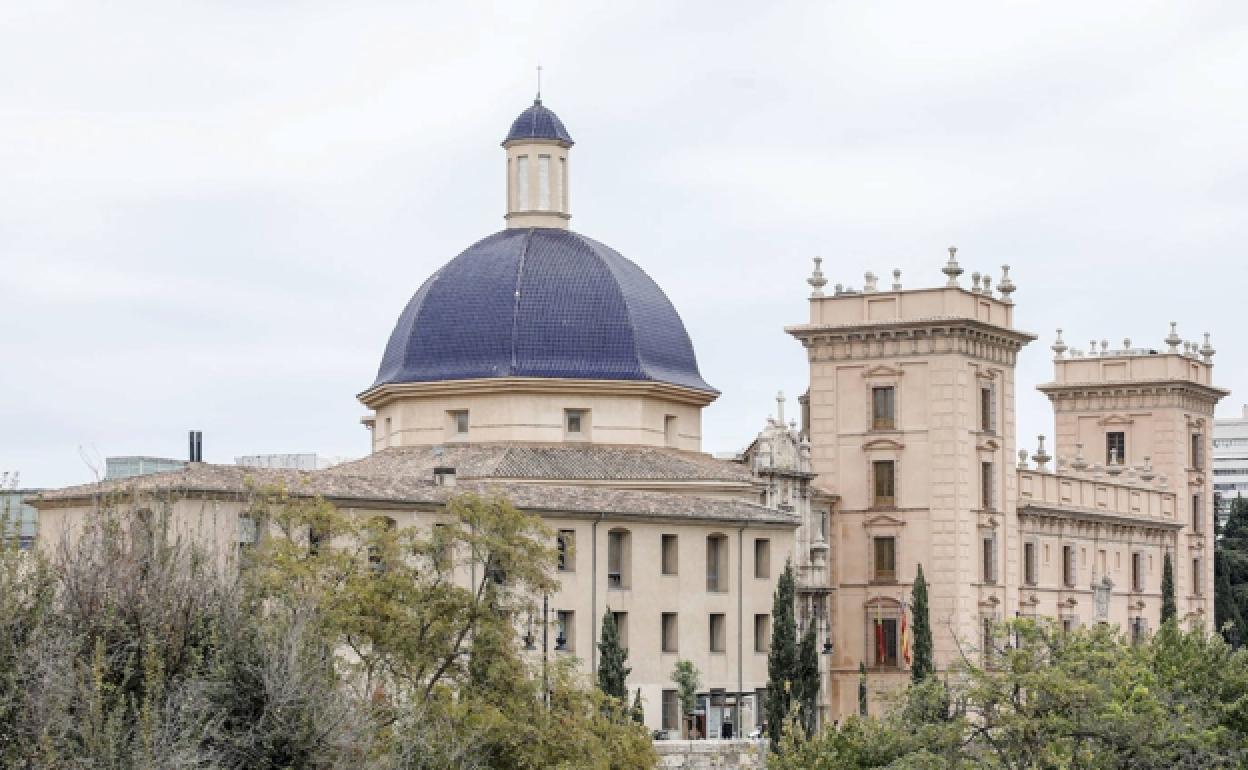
133	648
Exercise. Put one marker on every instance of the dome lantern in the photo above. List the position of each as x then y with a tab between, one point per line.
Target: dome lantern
537	169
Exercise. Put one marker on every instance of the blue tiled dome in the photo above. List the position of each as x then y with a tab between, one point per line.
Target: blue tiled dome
538	122
540	302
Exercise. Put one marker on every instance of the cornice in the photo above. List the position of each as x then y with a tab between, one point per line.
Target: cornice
384	394
911	338
1118	387
1097	517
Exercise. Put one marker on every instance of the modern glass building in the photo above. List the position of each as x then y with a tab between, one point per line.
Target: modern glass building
135	465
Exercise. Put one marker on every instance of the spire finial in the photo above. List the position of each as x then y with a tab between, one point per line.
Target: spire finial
538	100
817	281
1059	346
952	268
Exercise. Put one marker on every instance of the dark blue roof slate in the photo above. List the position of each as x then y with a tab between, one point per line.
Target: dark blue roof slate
540	302
538	122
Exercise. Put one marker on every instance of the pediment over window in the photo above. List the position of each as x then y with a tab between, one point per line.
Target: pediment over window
1069	602
991	601
1030	600
1115	419
882	520
882	444
882	603
882	371
988	445
986	374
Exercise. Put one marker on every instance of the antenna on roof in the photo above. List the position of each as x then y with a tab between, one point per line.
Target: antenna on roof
538	100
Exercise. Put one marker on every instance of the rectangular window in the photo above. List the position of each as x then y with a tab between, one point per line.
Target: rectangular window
1198	584
883	408
985	640
1198	517
762	558
567	550
990	560
987	411
543	182
1068	624
1115	448
1029	563
563	184
522	183
670	632
574	421
1139	630
443	551
884	634
884	487
565	631
671	563
716	563
985	487
621	627
762	633
718	635
669	429
1068	566
1198	451
248	531
617	559
671	710
459	422
1137	572
885	566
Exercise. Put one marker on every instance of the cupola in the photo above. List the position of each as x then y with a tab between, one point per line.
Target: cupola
537	169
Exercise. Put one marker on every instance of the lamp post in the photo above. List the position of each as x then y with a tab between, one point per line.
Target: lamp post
825	629
545	648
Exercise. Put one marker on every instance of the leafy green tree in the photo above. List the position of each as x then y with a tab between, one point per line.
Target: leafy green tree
921	628
613	670
782	658
1085	699
130	648
1168	609
687	680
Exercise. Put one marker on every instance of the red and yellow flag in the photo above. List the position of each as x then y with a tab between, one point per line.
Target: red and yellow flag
905	638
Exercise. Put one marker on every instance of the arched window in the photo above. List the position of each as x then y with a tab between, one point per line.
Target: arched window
619	558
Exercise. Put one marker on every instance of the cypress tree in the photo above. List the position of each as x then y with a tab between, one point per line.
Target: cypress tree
921	630
782	659
612	671
1168	609
638	713
1226	615
807	680
862	688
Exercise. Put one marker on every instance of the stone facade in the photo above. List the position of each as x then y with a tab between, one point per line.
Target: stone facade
910	420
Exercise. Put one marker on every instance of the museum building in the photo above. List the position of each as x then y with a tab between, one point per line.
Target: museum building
543	365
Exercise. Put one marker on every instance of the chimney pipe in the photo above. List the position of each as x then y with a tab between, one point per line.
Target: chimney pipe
197	446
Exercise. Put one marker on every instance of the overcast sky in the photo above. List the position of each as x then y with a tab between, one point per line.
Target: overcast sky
212	214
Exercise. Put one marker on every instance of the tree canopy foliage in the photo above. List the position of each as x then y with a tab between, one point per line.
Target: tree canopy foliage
1231	573
1053	699
335	642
